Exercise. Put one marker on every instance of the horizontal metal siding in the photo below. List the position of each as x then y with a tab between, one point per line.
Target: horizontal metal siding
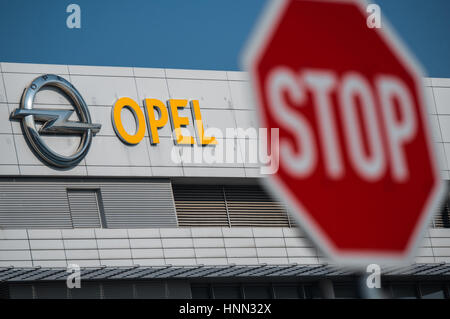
39	204
84	208
34	205
234	205
200	205
138	205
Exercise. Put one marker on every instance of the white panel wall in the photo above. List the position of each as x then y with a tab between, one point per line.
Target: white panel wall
438	91
224	101
177	246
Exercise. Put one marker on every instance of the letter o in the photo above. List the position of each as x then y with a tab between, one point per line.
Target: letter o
139	118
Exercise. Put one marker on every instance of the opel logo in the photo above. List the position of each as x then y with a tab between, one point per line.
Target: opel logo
55	121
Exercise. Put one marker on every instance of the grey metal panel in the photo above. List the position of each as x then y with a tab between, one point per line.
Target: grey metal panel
289	270
112	272
435	270
421	268
84	208
300	271
34	205
158	273
12	273
44	204
90	273
34	275
266	271
229	272
129	273
204	271
48	274
139	205
175	273
57	275
150	270
249	272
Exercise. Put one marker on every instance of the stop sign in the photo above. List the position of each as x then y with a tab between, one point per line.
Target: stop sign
357	165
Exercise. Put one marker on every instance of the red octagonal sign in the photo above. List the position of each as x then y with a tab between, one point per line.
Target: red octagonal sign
357	164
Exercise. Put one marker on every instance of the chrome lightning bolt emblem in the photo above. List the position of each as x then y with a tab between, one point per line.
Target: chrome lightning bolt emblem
56	121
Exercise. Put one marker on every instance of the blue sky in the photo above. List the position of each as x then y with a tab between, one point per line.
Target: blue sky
196	34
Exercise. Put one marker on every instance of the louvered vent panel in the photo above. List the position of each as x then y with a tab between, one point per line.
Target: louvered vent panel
84	208
34	205
252	206
200	205
38	204
442	218
138	205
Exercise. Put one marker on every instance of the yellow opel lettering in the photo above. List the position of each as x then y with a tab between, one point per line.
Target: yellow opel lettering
178	122
116	117
154	124
198	123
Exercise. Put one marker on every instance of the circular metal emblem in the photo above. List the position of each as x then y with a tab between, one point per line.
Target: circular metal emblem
55	121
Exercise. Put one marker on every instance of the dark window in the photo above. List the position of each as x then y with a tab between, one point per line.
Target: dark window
117	290
312	292
288	292
428	291
404	291
345	291
227	292
257	292
4	290
201	292
21	291
85	208
51	290
88	290
150	290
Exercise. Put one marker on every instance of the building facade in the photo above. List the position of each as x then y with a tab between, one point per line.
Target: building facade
144	221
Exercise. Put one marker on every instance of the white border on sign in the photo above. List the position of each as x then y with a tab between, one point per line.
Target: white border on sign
264	28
